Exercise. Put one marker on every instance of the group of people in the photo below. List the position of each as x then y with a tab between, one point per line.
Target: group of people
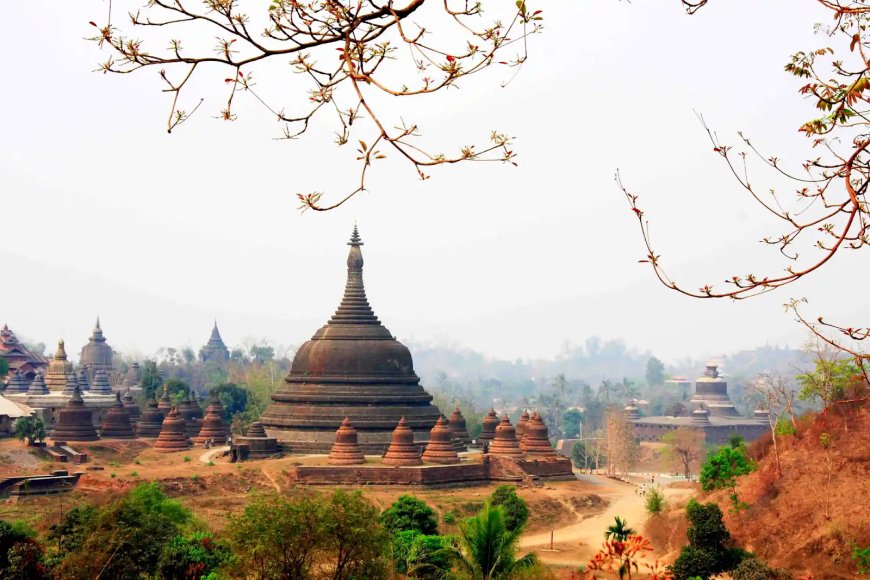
209	443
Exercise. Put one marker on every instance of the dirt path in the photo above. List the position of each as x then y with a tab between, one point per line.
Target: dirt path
208	455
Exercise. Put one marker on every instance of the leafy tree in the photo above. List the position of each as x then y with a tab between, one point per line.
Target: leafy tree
514	509
655	501
233	398
277	536
10	535
30	428
421	556
486	548
178	389
71	532
25	562
571	423
655	372
151	380
709	551
829	382
409	514
126	538
722	468
685	447
619	530
355	546
192	557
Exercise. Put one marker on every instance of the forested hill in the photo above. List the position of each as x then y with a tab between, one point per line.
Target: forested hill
596	360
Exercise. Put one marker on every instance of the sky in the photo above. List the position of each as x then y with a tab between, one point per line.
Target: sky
105	214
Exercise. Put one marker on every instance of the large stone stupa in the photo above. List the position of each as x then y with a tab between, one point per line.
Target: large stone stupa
352	367
97	355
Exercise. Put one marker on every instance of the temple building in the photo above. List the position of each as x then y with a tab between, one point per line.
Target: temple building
352	367
19	357
214	350
97	355
711	411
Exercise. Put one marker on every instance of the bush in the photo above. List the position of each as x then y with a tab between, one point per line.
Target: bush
709	551
449	517
421	556
655	501
409	514
514	508
754	569
192	558
861	557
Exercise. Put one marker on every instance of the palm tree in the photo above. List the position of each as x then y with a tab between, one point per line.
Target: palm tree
486	549
619	531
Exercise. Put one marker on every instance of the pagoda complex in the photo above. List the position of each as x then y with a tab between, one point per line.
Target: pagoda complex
352	367
711	412
97	355
19	357
214	350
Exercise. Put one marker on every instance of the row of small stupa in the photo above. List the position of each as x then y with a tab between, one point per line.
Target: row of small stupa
447	438
175	427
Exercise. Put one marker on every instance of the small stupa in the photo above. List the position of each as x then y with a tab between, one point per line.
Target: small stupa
490	422
72	383
213	425
116	423
521	424
345	450
17	384
192	413
259	444
165	403
37	385
403	451
150	421
101	384
459	430
440	448
131	406
536	440
173	434
505	441
58	369
84	380
75	421
132	376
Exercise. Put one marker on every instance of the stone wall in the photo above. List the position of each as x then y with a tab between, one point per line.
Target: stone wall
426	475
714	434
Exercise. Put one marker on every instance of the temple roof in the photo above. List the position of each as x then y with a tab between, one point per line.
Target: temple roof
214	349
16	354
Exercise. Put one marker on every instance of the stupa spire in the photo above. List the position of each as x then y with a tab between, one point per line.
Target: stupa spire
354	307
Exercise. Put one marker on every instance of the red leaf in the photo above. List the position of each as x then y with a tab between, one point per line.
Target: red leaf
450	58
92	23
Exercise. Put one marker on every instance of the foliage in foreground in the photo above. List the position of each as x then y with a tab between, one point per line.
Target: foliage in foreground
710	551
30	428
409	514
623	552
722	468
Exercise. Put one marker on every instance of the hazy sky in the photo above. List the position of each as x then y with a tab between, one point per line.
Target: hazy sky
104	213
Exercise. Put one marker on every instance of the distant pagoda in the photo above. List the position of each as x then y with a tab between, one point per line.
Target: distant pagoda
97	355
352	367
214	350
459	430
505	441
403	451
536	440
345	449
131	406
440	448
490	422
173	434
213	425
58	369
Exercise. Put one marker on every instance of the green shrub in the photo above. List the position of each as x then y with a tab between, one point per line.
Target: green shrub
420	555
709	551
755	569
187	458
409	513
210	464
655	501
450	517
192	557
861	557
514	508
134	474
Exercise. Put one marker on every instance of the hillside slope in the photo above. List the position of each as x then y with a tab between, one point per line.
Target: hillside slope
808	519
